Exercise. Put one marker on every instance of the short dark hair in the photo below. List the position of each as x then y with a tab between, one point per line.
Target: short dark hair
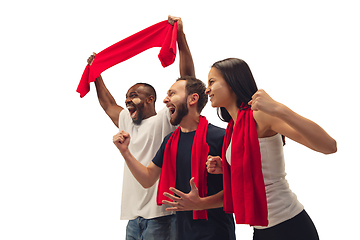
194	85
237	74
149	89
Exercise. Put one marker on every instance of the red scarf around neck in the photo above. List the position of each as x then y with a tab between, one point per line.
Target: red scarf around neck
244	188
162	34
199	153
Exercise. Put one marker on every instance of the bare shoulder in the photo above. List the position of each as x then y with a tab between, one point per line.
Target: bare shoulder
264	123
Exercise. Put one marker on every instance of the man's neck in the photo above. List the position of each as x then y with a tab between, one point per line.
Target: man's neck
190	122
150	114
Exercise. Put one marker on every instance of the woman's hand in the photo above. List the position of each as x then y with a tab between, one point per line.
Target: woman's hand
274	117
214	165
261	101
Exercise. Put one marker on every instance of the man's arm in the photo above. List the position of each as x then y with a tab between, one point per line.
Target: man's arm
106	100
186	62
146	176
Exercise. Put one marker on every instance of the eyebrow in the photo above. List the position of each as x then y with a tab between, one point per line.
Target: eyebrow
130	94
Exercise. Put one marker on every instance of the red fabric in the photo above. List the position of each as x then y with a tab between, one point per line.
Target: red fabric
199	153
162	34
244	188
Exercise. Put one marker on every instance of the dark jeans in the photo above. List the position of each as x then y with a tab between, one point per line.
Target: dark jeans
299	227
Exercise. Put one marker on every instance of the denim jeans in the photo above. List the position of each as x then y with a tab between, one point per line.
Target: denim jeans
161	228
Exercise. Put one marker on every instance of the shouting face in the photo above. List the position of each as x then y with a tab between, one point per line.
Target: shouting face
135	102
176	102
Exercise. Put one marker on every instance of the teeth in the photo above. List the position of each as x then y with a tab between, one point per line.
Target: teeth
132	110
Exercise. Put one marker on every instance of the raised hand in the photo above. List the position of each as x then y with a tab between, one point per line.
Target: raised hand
173	19
91	59
261	101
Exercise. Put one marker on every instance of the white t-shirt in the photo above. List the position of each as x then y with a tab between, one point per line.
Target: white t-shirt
145	140
281	201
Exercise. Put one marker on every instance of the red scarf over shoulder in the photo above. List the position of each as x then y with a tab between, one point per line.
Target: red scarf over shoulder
199	153
244	188
162	34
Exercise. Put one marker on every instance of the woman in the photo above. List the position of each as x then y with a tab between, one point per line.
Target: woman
253	168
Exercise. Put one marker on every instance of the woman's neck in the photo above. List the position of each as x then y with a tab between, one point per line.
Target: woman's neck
233	111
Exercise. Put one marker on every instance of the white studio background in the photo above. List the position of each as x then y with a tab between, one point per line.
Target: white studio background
61	176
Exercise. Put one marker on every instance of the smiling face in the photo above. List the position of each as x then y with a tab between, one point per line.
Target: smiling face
176	102
218	90
135	102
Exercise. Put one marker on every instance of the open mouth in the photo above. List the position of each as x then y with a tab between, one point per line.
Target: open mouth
211	96
132	111
171	110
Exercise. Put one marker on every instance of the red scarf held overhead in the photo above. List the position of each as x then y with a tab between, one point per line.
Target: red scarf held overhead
199	153
162	34
244	188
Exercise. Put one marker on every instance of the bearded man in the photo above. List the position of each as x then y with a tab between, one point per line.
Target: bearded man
138	205
180	163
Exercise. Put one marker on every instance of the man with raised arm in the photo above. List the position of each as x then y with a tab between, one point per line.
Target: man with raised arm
138	205
180	163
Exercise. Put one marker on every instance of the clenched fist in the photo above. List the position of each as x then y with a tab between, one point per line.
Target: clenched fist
214	165
122	140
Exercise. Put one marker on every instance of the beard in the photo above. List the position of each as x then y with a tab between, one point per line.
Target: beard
181	111
140	114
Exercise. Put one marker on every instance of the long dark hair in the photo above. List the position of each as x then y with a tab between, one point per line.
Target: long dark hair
237	74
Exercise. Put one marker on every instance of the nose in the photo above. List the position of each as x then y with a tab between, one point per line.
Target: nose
207	90
129	99
166	100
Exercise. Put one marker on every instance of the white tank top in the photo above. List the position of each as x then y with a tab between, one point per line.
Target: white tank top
281	201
